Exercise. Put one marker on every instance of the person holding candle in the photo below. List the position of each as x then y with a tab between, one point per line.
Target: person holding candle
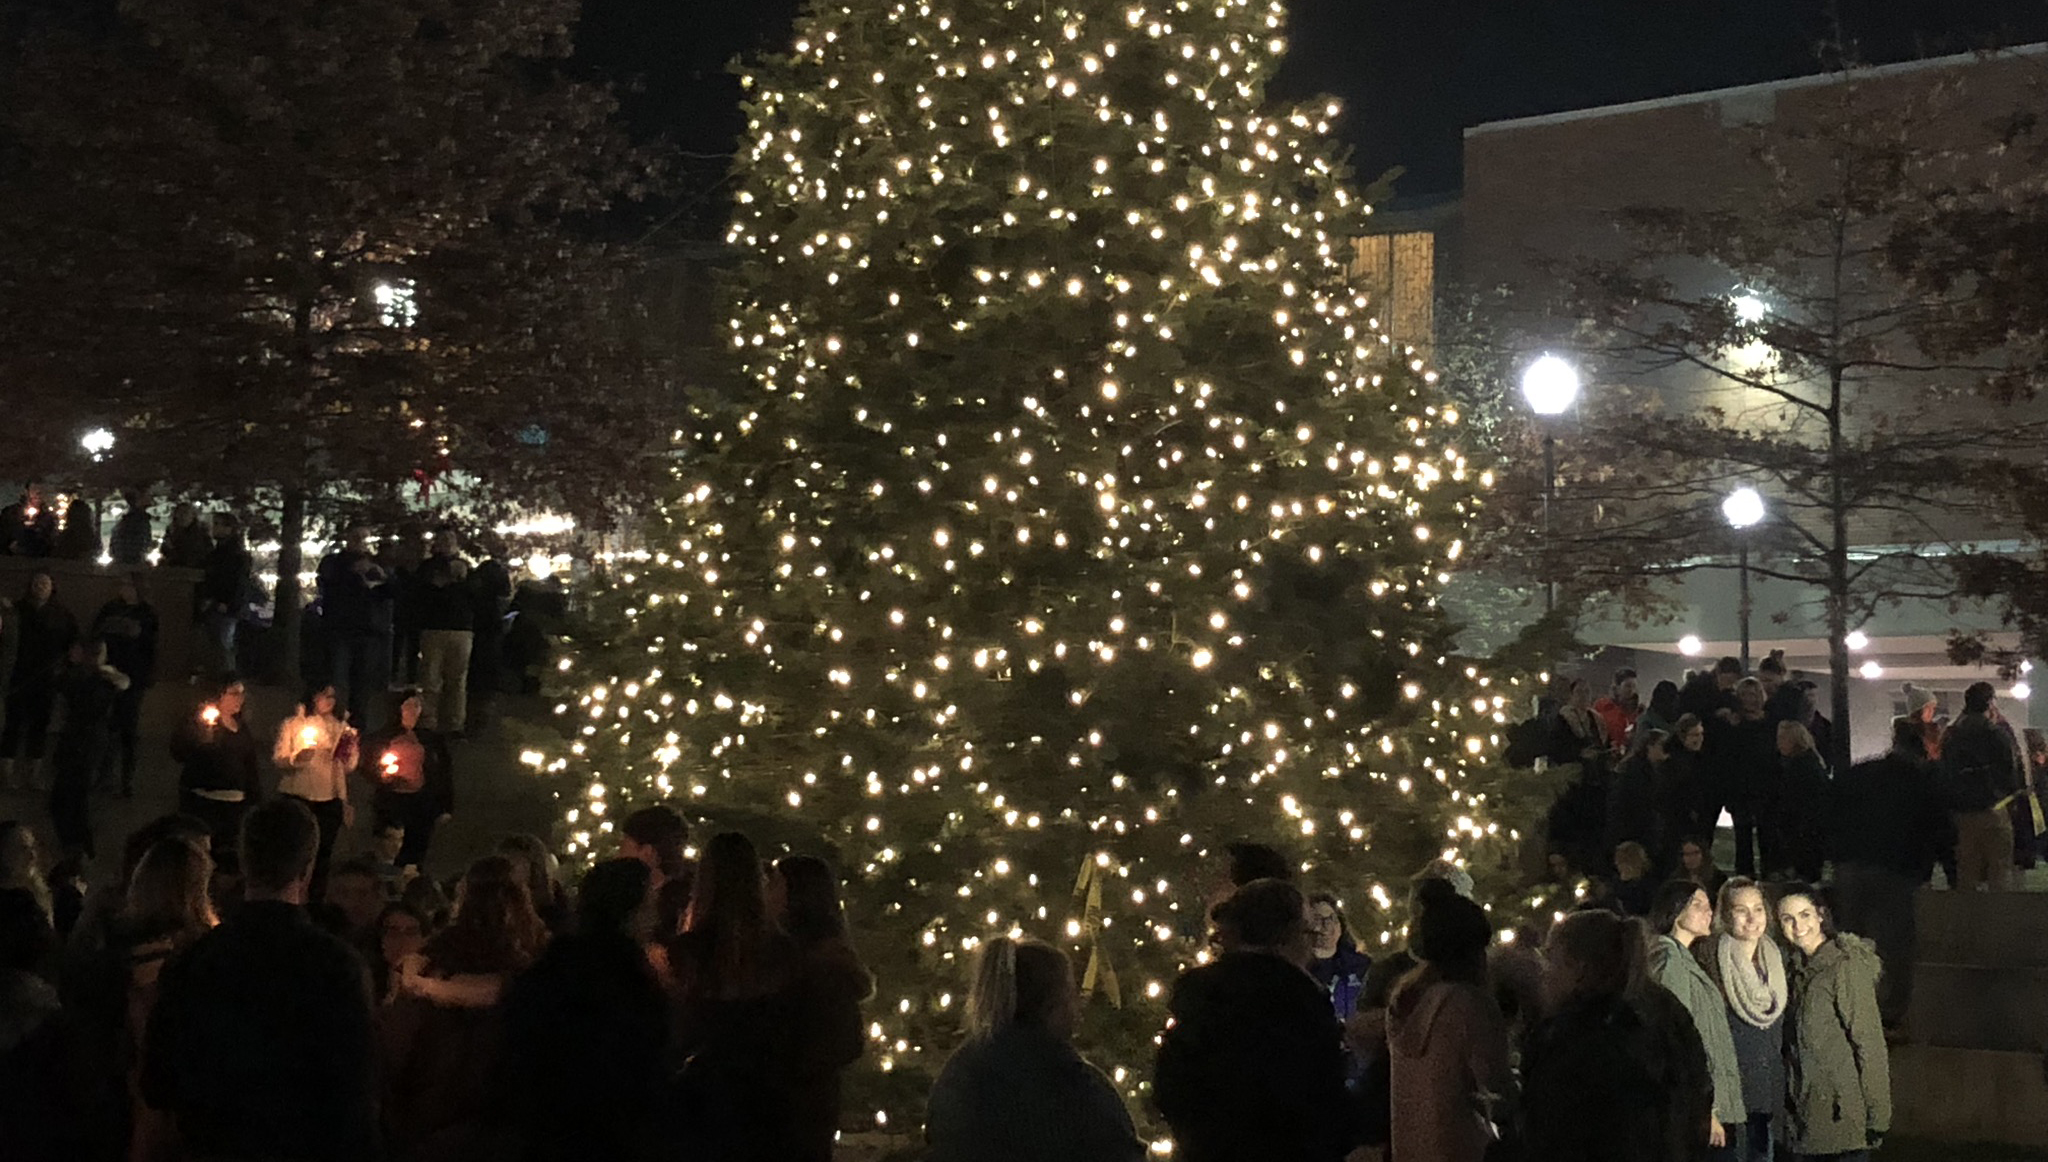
317	749
220	760
413	771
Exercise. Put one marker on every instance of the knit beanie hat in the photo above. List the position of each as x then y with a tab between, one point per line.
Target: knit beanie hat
1916	699
1450	927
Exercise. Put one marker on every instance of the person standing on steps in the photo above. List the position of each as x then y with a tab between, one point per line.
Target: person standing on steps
1980	771
355	595
128	624
447	633
186	542
414	773
129	543
226	589
1885	830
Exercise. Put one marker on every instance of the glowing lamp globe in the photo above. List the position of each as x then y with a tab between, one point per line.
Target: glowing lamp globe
1550	385
1743	508
1690	645
1749	308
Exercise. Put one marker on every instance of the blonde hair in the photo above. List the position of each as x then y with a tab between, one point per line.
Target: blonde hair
1016	982
1801	737
1631	855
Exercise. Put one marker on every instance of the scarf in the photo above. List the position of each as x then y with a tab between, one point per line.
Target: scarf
1758	997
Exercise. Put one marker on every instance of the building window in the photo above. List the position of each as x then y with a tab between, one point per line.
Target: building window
396	306
1398	271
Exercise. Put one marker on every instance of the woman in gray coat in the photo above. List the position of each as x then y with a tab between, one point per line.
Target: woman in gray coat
1680	917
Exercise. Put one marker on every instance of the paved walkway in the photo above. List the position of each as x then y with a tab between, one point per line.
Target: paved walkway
494	795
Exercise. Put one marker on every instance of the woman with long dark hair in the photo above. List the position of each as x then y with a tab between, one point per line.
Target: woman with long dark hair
1680	918
586	1028
735	974
832	982
1016	1091
316	750
1839	1086
1616	1071
221	760
442	1031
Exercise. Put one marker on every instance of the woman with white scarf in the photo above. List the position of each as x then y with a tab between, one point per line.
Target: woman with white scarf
1748	966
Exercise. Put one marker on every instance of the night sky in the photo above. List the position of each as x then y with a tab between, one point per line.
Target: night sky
1413	73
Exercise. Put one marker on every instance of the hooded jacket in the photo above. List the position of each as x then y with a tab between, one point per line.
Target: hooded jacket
1674	968
1449	1047
1838	1074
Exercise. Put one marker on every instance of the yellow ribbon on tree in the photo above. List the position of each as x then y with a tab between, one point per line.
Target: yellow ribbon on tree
1088	897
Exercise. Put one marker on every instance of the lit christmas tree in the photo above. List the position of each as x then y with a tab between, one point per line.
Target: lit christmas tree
1078	519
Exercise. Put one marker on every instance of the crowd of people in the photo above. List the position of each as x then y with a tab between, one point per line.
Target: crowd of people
213	1005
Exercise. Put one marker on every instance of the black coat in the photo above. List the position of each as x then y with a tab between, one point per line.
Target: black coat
214	758
261	1042
438	768
43	634
1253	1066
1617	1081
1887	812
130	632
585	1031
1979	766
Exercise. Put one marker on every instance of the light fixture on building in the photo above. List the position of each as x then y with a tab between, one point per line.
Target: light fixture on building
1857	640
1872	670
1690	645
97	443
2021	691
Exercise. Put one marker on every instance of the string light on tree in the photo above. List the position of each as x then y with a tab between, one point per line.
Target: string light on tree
1079	516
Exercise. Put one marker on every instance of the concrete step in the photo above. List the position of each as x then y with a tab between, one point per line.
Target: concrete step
1983	928
1969	1095
1969	1007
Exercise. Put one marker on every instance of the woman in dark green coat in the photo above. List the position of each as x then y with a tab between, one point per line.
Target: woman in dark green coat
1838	1075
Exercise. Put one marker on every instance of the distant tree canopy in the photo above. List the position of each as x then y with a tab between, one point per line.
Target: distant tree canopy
285	247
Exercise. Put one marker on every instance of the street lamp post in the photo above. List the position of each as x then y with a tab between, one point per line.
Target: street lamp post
1743	509
1550	386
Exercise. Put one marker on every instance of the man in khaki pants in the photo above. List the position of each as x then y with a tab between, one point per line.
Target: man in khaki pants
1980	770
447	630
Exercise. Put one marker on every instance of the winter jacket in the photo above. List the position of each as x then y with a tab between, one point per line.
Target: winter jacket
1619	721
42	635
1253	1065
1024	1095
348	599
1887	812
436	775
230	579
1978	764
129	544
130	632
441	588
1450	1065
1343	976
1838	1083
1748	761
1632	805
215	758
1759	1053
1672	966
185	546
1614	1080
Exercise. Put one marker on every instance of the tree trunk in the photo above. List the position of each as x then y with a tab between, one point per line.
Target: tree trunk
290	605
1839	749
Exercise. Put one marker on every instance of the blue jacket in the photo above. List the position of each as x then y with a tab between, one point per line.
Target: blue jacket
1342	976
